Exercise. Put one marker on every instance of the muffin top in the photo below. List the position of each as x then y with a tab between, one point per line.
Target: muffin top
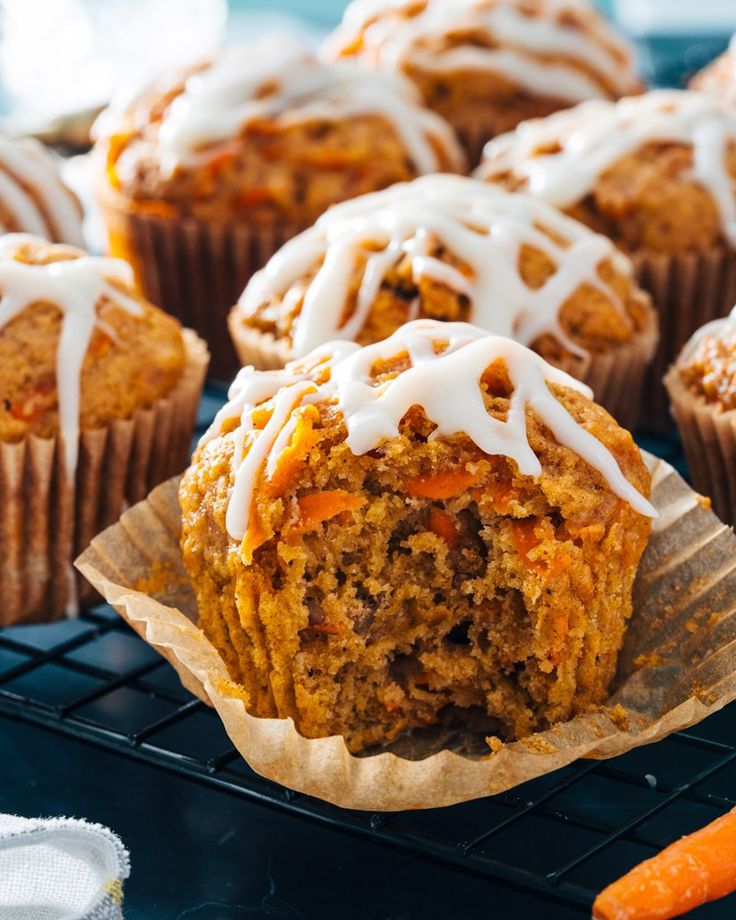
267	129
719	77
451	383
448	248
707	363
561	49
653	172
33	197
78	347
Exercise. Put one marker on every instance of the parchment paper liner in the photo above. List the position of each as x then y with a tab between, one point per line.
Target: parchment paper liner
688	290
709	441
192	268
682	637
46	521
616	377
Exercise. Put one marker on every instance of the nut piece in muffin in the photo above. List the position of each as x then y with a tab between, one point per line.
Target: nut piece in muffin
702	387
486	65
719	77
455	249
440	527
33	196
655	173
204	175
98	393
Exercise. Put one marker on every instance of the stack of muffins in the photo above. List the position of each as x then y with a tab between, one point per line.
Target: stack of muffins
399	518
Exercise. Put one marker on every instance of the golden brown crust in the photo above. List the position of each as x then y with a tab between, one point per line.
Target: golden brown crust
290	170
709	370
142	363
448	586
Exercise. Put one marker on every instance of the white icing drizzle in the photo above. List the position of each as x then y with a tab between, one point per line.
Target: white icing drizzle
399	33
32	192
278	79
723	329
76	286
481	225
445	385
594	135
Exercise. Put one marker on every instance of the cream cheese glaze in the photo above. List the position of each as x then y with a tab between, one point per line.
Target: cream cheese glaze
279	79
588	139
723	329
534	44
33	194
76	286
482	226
445	384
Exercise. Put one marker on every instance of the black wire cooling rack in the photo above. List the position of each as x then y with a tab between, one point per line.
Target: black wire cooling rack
562	836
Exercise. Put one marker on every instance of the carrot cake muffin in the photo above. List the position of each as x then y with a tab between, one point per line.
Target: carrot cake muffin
33	197
719	77
98	392
437	527
657	174
450	248
702	387
486	65
204	175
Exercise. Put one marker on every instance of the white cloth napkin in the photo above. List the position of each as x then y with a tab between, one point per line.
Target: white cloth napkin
60	869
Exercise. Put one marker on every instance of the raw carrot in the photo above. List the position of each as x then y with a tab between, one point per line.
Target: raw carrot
321	506
440	485
442	524
698	868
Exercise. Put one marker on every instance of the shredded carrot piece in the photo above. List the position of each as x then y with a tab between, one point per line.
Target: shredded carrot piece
292	456
442	524
318	507
155	208
218	164
254	538
695	869
252	197
441	485
525	539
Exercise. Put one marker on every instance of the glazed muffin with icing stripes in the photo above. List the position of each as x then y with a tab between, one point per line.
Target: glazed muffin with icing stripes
33	197
205	174
98	396
657	174
486	65
454	249
439	528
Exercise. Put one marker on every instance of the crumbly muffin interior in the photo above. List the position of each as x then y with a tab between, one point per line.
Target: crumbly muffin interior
421	582
709	369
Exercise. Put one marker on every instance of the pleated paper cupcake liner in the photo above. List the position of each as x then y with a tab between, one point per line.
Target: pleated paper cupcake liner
688	290
677	666
194	269
709	440
47	520
260	349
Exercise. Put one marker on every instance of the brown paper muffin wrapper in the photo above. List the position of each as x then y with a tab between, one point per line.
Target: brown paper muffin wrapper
191	268
709	440
46	520
678	664
688	290
616	377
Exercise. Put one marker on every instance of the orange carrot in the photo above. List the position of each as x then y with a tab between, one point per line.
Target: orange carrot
440	485
698	868
155	208
254	538
524	538
292	456
321	506
441	524
252	197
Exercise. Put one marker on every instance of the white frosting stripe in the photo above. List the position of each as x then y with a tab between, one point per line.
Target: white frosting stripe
594	135
33	191
76	287
445	385
537	48
483	227
280	80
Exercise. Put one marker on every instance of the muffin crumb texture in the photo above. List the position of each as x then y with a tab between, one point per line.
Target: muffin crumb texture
421	581
707	366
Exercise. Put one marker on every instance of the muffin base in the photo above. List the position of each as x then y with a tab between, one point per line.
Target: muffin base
709	441
616	377
662	661
688	290
47	520
193	269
